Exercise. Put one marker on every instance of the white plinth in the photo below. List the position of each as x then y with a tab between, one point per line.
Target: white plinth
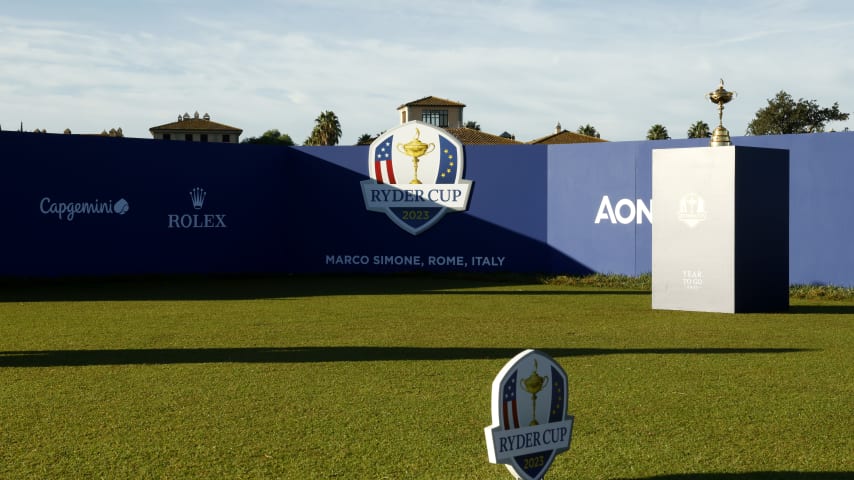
720	233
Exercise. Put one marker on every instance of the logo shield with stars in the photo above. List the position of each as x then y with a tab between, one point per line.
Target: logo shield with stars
416	176
530	424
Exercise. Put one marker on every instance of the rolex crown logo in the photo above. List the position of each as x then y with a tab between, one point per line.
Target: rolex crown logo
197	195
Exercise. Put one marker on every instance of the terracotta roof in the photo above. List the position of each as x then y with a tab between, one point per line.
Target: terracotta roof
470	136
565	136
196	124
432	101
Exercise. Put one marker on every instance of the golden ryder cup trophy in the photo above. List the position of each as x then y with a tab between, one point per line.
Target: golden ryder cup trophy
533	385
720	137
415	149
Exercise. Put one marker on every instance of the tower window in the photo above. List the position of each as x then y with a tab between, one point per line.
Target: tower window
438	118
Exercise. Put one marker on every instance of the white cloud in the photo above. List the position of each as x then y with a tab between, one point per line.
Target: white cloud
519	66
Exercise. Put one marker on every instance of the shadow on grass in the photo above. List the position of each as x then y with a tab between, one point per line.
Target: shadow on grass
752	476
277	286
823	309
68	358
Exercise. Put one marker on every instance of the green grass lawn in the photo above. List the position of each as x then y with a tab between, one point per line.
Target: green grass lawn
390	377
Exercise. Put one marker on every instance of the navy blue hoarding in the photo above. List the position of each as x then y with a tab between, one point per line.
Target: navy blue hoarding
85	205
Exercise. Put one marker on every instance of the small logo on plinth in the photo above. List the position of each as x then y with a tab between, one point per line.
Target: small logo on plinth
416	173
530	424
692	209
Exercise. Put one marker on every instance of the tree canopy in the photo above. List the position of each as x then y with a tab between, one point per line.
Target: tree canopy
327	130
657	132
699	129
784	115
472	125
366	139
271	137
588	130
506	134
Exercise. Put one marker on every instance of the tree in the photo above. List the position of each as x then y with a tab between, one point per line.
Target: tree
271	137
784	115
112	133
366	139
327	130
508	135
657	132
588	130
472	125
699	129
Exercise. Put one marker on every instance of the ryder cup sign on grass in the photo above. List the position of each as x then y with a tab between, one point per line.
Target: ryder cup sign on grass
530	424
416	174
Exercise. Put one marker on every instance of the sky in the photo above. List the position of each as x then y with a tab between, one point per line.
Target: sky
519	66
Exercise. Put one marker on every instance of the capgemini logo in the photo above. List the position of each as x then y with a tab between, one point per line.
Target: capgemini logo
68	210
197	195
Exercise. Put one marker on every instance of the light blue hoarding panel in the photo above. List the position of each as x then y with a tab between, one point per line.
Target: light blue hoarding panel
821	205
600	208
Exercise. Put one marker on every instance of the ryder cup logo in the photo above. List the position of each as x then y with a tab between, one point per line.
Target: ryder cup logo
530	425
692	209
416	176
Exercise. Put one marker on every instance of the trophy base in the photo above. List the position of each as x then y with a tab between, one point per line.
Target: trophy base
415	181
720	137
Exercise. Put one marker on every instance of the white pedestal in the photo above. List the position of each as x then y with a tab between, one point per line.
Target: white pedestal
720	232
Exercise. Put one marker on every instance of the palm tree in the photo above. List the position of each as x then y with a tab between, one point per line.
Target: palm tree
699	129
365	139
327	129
657	132
588	130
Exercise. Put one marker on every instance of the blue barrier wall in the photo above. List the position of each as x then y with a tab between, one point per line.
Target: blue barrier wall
557	209
505	222
821	207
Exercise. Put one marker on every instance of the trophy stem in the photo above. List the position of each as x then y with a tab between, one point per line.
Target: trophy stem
720	136
534	411
415	180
